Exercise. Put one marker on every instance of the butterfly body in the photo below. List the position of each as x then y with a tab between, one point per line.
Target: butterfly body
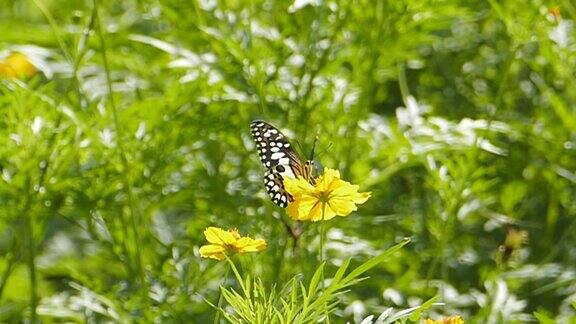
280	160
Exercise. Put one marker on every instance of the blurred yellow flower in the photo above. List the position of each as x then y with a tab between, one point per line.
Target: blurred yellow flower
515	238
329	197
223	242
514	241
16	65
456	319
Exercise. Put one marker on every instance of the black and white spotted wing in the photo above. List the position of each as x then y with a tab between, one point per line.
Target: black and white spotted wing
279	158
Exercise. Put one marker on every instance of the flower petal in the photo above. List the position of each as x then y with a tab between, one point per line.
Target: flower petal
213	251
342	207
297	186
235	234
325	182
320	215
219	236
247	244
350	192
302	208
293	209
362	197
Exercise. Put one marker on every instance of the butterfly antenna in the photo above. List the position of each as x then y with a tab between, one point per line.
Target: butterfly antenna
299	145
313	147
327	148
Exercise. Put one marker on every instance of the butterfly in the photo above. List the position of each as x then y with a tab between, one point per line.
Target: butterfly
280	160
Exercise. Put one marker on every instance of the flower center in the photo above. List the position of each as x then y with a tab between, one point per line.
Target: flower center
324	197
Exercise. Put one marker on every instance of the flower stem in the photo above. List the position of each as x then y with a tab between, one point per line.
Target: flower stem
321	252
321	256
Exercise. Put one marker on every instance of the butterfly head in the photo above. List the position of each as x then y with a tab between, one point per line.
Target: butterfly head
313	169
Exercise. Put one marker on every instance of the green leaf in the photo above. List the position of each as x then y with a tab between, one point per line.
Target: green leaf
316	279
415	316
543	318
340	272
374	261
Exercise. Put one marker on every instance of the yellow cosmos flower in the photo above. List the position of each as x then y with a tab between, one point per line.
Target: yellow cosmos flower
446	320
16	65
328	198
223	242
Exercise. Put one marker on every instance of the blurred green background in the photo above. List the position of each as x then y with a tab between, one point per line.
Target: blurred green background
133	136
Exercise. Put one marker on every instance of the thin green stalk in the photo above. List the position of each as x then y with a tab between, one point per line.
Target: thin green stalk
29	245
27	209
10	263
31	256
320	64
402	83
322	234
122	152
55	29
31	251
29	239
321	252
